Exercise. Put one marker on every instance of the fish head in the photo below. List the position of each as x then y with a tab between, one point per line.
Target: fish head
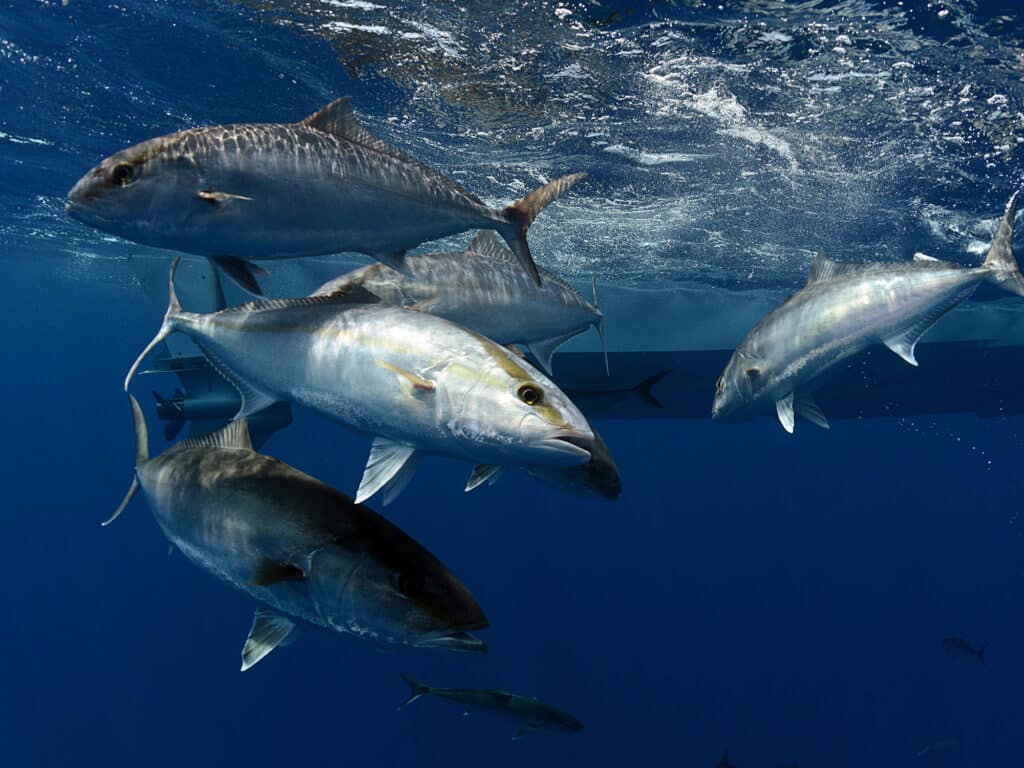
741	383
395	592
512	414
143	193
599	477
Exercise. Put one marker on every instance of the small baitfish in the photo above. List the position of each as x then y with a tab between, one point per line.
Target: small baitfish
960	646
533	715
417	382
485	289
298	546
238	193
844	309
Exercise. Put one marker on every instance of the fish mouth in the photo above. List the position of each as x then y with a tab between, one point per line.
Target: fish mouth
570	443
453	641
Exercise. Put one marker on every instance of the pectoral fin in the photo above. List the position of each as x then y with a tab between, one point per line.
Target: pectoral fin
387	458
808	409
411	381
424	306
242	273
219	198
268	631
784	408
268	572
483	473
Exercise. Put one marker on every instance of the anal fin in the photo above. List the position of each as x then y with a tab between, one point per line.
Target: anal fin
253	400
267	632
904	342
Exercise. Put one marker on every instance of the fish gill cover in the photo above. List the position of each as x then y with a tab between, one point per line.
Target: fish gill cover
786	597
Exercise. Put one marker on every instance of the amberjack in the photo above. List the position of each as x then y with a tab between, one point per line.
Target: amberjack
299	547
485	289
238	193
844	309
416	382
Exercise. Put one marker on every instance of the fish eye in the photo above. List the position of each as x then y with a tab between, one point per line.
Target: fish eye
720	385
122	174
410	584
530	394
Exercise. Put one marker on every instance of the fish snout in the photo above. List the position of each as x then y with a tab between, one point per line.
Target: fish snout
567	445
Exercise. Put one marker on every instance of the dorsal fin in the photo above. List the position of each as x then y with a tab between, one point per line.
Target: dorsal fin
338	119
824	269
352	294
489	245
234	435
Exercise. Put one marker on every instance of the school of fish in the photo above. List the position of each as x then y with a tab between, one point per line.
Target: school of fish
425	354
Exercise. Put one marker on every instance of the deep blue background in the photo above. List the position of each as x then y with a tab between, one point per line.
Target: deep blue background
785	598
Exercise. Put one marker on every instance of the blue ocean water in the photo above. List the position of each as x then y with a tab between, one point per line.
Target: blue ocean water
782	597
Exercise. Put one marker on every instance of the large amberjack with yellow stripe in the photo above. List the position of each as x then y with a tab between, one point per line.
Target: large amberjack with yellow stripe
417	382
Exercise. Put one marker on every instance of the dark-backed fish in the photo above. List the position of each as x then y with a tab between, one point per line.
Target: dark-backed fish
960	646
531	714
239	193
298	546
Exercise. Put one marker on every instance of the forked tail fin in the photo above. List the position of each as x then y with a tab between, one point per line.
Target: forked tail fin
519	216
1000	259
416	689
166	328
141	457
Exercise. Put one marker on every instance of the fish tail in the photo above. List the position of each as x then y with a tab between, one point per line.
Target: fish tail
416	689
168	326
644	390
141	457
981	653
520	215
1000	259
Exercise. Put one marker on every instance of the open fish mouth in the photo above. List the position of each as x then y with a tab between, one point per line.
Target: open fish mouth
453	641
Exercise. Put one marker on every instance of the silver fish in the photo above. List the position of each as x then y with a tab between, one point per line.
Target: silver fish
417	382
236	193
298	546
533	714
844	309
484	288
